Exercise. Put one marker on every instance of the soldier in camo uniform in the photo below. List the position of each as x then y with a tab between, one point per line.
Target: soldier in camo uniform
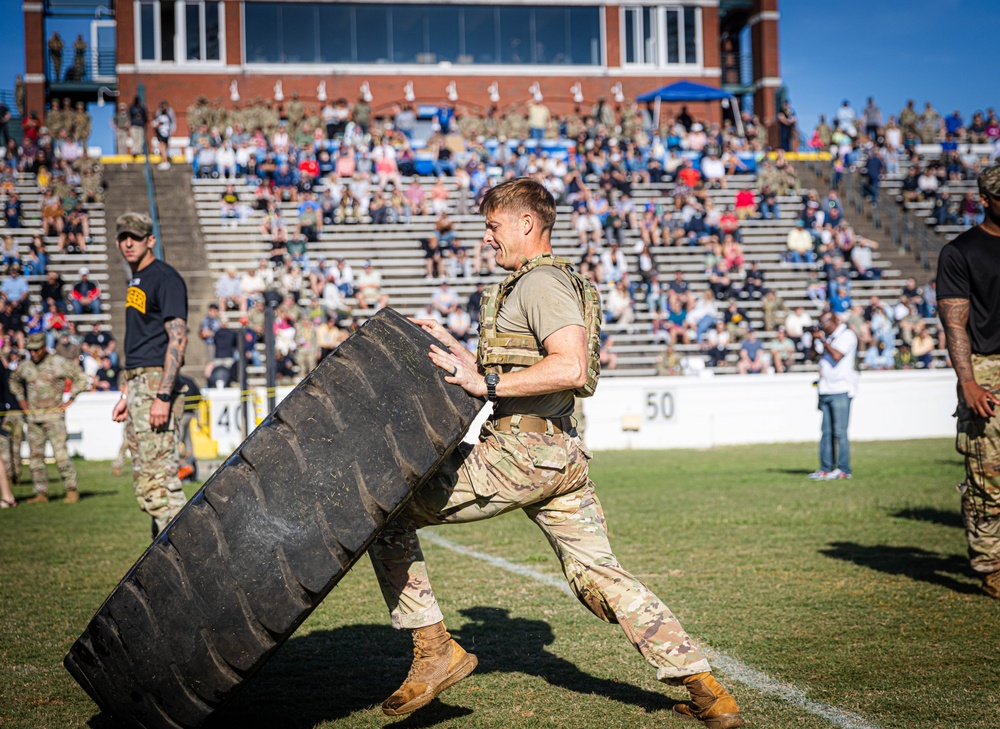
155	342
539	346
39	383
967	286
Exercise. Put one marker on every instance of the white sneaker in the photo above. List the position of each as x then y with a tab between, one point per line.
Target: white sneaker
819	475
835	475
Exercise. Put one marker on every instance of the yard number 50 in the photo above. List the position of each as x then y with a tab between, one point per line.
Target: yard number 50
659	405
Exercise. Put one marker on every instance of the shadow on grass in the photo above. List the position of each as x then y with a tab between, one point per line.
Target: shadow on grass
913	562
931	515
329	675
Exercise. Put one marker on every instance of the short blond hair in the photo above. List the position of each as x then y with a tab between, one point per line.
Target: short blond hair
520	196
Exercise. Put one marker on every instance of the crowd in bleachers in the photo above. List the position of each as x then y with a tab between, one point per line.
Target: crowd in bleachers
930	160
48	189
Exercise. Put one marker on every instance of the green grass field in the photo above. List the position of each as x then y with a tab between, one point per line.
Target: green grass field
857	593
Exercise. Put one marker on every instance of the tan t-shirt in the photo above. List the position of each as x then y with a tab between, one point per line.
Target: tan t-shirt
543	301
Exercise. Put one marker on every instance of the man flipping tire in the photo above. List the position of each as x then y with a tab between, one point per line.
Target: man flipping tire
538	347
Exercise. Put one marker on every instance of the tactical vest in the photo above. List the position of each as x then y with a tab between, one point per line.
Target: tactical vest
496	350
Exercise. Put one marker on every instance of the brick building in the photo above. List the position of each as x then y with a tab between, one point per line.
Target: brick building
469	53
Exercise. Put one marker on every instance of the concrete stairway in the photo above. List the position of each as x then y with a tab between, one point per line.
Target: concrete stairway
125	191
184	249
907	263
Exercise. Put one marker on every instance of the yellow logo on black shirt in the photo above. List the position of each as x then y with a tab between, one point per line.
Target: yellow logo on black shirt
136	298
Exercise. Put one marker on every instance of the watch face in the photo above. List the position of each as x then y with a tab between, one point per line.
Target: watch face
492	379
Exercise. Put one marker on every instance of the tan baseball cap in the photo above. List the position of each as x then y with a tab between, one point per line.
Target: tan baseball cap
35	342
139	225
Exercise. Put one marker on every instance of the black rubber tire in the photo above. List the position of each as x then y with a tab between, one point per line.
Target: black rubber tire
273	530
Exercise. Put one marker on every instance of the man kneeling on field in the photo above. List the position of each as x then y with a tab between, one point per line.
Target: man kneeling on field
539	347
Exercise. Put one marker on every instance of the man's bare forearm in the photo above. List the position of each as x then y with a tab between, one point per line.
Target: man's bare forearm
176	346
955	318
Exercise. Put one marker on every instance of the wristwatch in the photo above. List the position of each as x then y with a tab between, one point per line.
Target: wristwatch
492	380
162	396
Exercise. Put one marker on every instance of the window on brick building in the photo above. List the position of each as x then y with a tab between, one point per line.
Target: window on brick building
179	31
662	36
379	33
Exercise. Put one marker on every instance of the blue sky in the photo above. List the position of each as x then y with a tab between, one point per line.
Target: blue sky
890	49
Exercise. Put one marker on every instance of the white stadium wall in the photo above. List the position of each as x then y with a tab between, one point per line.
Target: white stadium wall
653	412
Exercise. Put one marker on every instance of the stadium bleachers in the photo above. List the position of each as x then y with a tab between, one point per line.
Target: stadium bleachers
67	264
396	252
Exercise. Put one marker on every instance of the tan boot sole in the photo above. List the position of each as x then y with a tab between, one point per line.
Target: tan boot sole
723	721
462	670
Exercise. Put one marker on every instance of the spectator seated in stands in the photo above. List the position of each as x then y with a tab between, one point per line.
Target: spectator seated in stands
769	209
205	160
782	351
614	264
74	236
800	244
619	308
716	344
737	323
880	357
720	282
753	283
54	323
970	210
15	289
862	259
714	172
102	343
922	345
368	288
943	212
86	294
229	205
459	324
52	213
13	210
753	359
229	292
310	218
11	251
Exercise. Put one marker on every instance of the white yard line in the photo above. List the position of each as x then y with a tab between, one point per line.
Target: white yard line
735	669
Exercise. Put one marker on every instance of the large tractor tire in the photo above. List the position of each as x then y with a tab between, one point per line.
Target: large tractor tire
273	530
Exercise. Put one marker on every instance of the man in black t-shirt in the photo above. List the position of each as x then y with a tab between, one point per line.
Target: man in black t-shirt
968	291
155	341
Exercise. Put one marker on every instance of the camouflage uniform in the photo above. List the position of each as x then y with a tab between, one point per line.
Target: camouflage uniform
10	445
979	441
154	452
41	386
545	474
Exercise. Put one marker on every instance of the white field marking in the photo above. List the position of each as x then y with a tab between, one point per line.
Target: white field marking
735	669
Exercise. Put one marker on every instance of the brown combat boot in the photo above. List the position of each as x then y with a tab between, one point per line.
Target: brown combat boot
72	496
710	703
991	585
40	498
438	663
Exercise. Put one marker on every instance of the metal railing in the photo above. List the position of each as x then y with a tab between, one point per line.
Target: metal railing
90	67
154	211
907	232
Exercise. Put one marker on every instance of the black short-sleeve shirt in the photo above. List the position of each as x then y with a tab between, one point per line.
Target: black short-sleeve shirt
155	295
969	268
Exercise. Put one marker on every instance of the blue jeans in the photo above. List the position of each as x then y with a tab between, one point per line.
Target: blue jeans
836	411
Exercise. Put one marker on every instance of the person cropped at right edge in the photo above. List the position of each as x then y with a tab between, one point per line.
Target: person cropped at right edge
968	284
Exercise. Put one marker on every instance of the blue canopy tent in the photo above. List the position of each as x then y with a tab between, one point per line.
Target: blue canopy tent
690	91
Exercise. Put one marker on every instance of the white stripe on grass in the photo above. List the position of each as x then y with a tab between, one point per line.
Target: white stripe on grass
735	669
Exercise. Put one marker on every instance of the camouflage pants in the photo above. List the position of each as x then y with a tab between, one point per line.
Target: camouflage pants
123	450
546	477
54	431
10	445
154	453
979	441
